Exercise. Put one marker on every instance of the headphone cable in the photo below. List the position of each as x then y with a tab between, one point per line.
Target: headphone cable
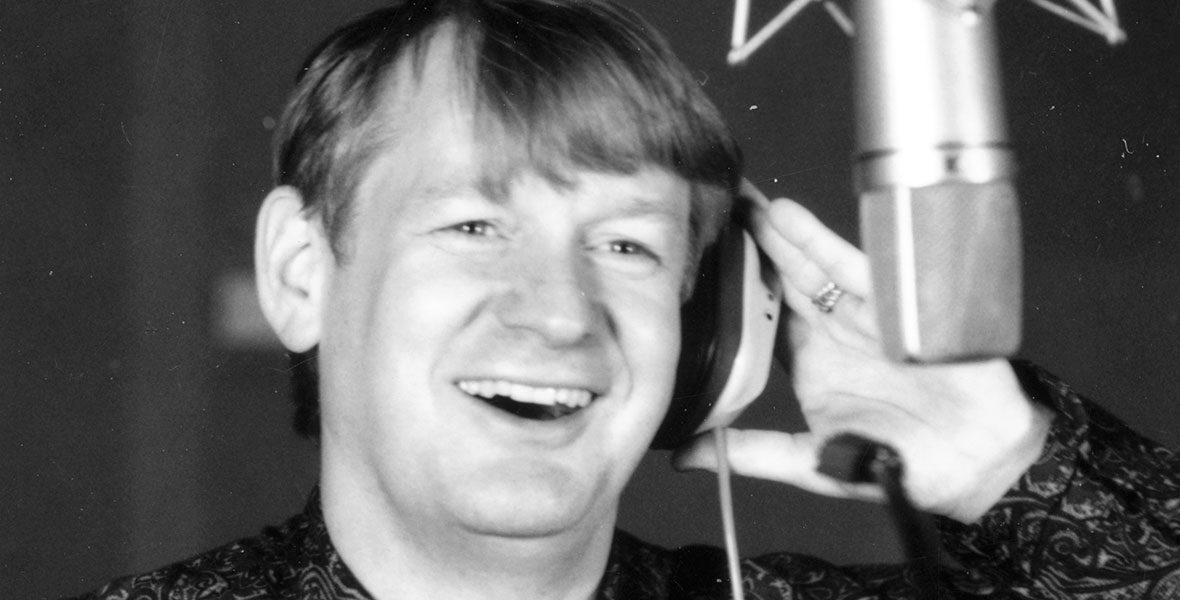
725	499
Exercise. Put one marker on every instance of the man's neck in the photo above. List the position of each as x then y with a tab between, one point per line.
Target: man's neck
396	559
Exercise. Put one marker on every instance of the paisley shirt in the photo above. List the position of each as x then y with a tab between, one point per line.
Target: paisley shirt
1098	516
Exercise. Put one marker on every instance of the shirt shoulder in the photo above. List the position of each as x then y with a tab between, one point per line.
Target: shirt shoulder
247	568
282	562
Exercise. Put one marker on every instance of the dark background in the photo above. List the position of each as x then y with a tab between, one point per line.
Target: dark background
142	421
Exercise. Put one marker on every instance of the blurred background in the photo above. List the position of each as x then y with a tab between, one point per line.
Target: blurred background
144	414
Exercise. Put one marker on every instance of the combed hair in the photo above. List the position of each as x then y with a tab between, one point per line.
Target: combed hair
555	86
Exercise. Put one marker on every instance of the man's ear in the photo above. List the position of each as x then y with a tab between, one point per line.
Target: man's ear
292	261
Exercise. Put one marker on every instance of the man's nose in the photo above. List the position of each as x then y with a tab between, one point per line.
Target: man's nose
555	297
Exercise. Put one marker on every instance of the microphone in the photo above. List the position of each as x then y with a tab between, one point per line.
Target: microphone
939	214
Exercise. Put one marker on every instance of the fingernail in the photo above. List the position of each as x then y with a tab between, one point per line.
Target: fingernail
685	461
681	462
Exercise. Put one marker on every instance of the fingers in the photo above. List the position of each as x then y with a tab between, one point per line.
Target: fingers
773	455
816	254
809	256
838	259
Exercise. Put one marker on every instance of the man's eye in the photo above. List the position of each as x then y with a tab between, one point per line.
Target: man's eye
474	228
629	248
623	247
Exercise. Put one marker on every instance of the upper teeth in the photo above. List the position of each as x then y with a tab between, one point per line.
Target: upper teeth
488	388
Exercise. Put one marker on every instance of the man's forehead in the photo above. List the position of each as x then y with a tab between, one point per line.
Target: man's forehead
428	109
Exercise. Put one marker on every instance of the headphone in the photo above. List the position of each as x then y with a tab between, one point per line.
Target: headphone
728	329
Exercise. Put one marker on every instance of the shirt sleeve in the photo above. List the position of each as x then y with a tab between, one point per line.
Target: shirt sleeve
1097	516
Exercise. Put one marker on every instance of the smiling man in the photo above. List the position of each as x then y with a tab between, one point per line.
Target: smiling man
488	215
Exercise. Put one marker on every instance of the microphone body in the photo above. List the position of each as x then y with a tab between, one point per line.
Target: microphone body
939	214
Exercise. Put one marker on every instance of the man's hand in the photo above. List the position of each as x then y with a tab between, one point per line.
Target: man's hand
966	432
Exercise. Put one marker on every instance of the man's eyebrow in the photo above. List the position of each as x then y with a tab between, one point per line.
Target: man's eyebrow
423	201
426	197
637	204
643	205
436	191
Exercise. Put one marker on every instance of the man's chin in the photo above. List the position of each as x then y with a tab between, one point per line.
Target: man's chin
521	526
512	508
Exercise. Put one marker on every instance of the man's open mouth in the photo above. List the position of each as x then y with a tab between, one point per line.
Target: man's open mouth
526	401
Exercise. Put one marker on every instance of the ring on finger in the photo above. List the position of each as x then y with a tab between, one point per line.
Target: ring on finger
827	297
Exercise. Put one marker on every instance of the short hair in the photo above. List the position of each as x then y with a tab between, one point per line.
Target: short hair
555	85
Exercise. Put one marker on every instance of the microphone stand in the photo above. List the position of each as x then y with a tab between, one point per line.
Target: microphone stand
855	459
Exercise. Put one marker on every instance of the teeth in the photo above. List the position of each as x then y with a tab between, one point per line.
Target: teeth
548	396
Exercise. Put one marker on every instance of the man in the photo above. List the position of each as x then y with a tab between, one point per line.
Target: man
488	215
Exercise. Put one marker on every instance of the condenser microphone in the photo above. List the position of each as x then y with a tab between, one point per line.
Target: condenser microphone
939	214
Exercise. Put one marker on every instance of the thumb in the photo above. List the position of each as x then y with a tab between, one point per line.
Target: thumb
789	458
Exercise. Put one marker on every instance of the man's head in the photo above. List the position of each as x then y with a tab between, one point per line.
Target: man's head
487	217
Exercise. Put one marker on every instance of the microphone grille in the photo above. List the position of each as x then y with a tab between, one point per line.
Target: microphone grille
946	264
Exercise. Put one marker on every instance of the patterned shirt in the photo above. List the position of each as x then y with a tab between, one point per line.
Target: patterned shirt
1098	516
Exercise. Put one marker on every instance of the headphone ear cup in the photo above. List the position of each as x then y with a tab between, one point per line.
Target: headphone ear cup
710	335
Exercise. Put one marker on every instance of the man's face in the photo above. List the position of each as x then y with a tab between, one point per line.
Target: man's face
499	364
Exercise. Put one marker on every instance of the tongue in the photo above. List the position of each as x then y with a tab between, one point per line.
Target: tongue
539	412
